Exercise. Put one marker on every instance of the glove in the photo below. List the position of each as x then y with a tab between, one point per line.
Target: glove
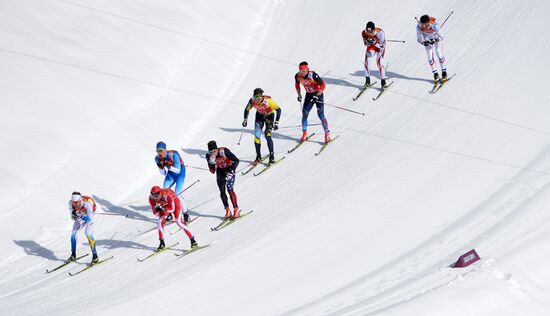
276	125
432	41
245	122
370	40
160	164
426	43
186	217
299	98
229	175
315	98
159	209
169	217
74	216
436	40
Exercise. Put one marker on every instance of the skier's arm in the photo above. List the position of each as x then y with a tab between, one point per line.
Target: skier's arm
233	158
89	211
364	38
72	211
319	81
176	167
438	32
247	109
419	35
211	166
171	205
381	40
160	165
297	84
275	107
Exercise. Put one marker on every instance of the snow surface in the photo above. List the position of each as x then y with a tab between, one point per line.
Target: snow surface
367	228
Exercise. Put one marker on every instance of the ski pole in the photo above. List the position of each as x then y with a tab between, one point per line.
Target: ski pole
296	126
192	184
193	167
112	214
242	131
447	18
395	41
341	108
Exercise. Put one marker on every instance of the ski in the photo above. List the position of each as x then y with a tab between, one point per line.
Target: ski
186	252
229	221
325	146
157	252
268	166
440	84
64	264
363	89
254	164
382	91
91	265
299	144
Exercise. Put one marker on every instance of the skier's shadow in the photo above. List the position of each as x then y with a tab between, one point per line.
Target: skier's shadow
33	248
114	244
341	82
108	206
192	151
390	75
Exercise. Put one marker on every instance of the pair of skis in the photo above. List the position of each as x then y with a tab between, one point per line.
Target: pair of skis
255	164
440	83
66	263
171	247
228	221
366	87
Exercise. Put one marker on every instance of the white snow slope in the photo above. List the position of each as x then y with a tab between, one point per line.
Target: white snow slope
367	228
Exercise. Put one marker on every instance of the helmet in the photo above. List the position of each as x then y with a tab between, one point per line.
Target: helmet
424	19
370	26
258	92
76	196
155	190
161	145
212	145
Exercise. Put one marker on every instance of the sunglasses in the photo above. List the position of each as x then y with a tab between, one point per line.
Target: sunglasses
160	150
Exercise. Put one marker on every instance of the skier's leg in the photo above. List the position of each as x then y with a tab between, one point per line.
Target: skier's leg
89	230
321	112
160	226
379	61
168	181
231	189
431	59
76	228
258	134
268	129
368	54
180	180
221	185
181	224
439	51
305	110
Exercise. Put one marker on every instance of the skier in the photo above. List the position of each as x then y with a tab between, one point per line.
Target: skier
375	41
314	86
224	163
164	202
171	166
82	210
265	114
428	33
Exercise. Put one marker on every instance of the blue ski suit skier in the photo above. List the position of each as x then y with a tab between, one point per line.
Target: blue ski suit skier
171	166
82	210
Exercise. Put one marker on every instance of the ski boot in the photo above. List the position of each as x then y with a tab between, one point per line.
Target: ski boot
186	217
436	77
444	75
237	213
383	83
367	82
161	245
304	137
227	213
193	242
271	158
257	160
72	258
327	137
95	258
